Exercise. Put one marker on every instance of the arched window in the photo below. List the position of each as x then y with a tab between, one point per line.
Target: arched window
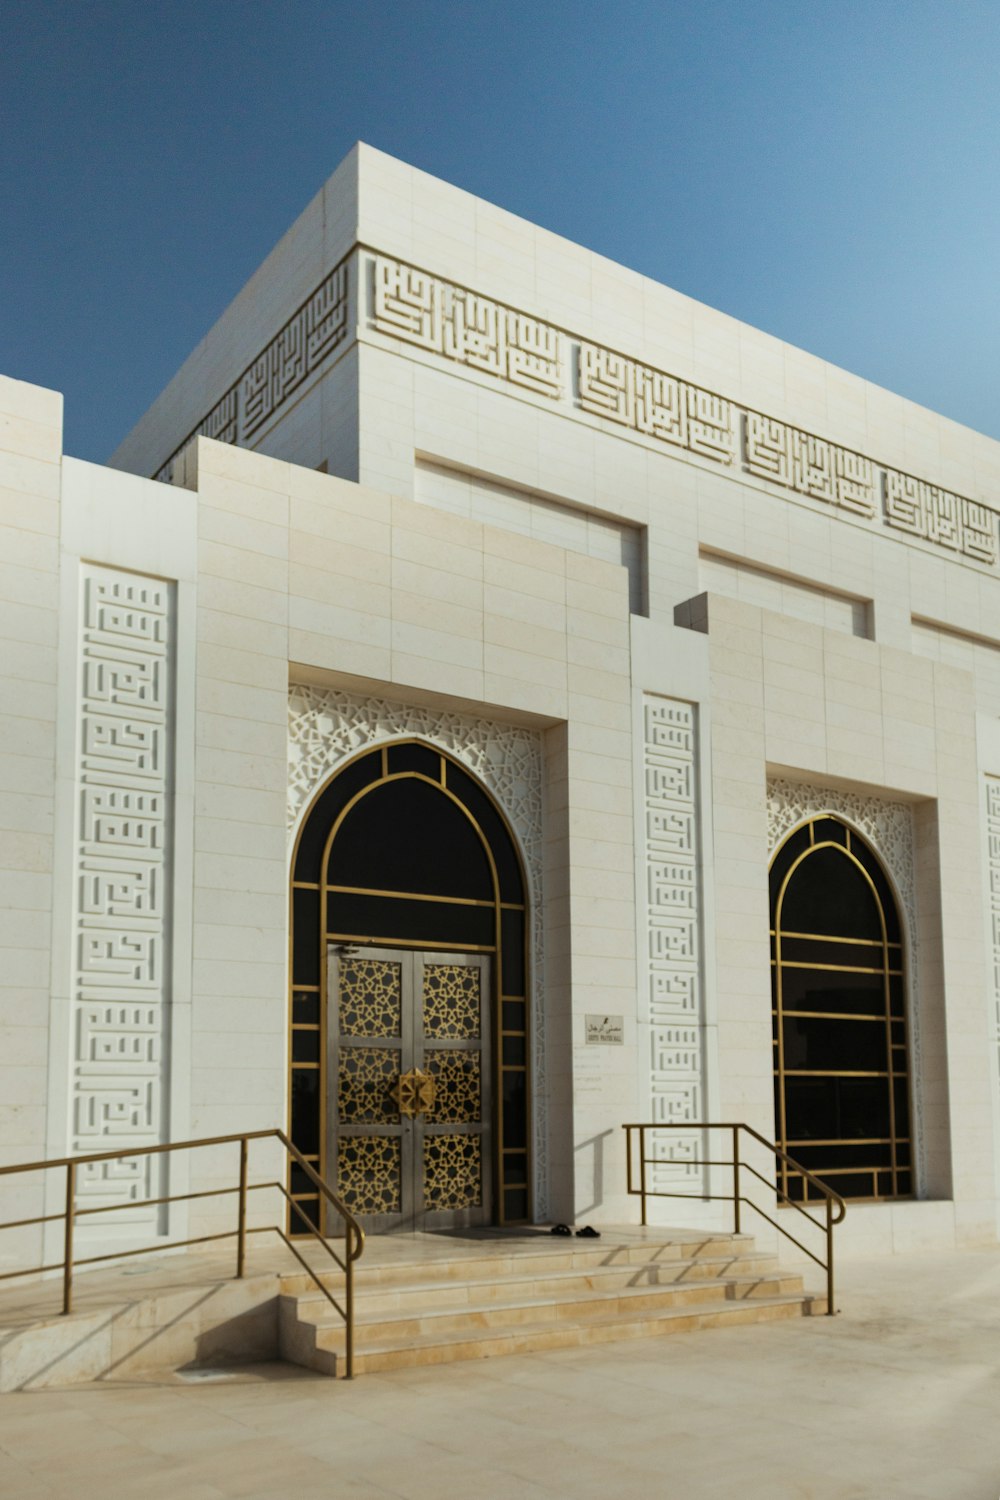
409	996
841	1056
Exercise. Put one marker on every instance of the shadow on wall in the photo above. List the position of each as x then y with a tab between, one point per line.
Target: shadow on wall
589	1164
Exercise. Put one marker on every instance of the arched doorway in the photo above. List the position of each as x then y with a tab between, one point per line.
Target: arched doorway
409	1042
841	1054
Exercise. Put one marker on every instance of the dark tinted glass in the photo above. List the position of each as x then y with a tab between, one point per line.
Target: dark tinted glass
827	893
513	1015
785	858
827	1109
829	830
305	910
815	1158
305	1046
803	950
514	1123
312	841
419	758
834	1045
302	1215
515	1168
512	927
305	1006
513	1051
300	1181
433	923
823	989
901	1102
849	1184
407	836
515	1205
495	829
874	869
305	1110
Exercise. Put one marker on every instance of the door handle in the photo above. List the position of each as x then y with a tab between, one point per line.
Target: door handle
414	1093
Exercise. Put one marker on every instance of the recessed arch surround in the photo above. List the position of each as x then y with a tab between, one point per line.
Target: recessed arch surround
402	849
841	1049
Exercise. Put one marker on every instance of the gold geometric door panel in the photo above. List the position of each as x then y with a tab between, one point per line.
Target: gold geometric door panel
369	1175
366	1018
409	1069
370	997
453	1171
451	1001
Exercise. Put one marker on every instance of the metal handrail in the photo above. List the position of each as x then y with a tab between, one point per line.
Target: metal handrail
833	1200
354	1235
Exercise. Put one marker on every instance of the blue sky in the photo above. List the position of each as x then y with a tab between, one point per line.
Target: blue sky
825	171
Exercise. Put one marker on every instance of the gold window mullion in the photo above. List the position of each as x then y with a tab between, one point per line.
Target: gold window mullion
892	964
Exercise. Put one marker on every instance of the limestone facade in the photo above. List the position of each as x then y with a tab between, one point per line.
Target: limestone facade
666	585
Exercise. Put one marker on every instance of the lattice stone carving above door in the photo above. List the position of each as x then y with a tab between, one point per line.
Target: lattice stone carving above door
326	727
888	827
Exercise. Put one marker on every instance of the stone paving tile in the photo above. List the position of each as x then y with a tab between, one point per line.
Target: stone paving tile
897	1399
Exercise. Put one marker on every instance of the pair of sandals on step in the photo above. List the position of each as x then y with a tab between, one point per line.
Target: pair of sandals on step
588	1232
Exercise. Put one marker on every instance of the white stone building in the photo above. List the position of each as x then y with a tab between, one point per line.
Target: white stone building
517	617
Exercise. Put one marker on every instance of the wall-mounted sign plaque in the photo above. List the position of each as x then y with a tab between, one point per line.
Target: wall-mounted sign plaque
605	1031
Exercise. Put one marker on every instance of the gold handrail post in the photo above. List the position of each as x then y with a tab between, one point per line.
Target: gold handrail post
68	1242
736	1179
829	1258
642	1170
241	1232
628	1157
349	1301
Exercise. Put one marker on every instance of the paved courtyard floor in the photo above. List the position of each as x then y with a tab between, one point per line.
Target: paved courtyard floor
896	1399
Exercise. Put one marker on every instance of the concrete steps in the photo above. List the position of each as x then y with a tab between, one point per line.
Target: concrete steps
506	1302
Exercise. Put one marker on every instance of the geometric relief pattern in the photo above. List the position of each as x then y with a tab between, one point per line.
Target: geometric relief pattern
302	345
366	1076
527	353
370	997
121	902
451	1001
936	515
369	1176
888	828
809	464
462	326
458	1100
993	872
453	1171
482	334
327	726
673	928
655	404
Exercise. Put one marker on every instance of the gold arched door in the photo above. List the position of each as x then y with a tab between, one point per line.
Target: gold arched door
403	851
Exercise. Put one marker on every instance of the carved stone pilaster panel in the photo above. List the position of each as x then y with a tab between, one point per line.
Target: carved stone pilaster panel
122	900
674	967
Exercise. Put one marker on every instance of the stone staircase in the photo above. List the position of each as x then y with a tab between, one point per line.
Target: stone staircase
516	1296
